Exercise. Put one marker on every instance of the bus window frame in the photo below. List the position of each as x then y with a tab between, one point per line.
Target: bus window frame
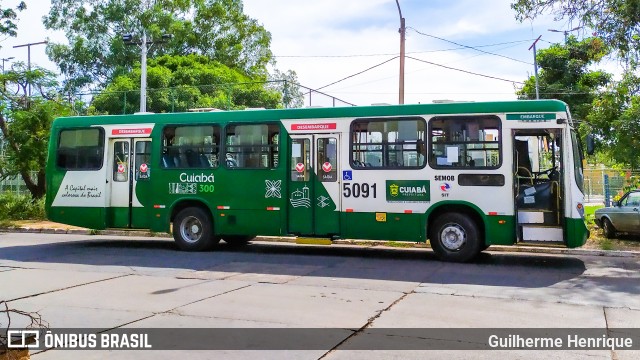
386	119
176	125
225	147
470	168
102	140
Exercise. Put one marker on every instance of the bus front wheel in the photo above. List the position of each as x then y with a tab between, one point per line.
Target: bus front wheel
455	237
193	231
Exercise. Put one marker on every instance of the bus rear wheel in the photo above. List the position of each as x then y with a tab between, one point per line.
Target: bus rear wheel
455	237
193	230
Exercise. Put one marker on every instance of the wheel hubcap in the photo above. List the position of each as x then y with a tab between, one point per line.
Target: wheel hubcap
191	229
453	237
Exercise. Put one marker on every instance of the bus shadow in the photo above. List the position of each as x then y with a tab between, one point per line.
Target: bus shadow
364	263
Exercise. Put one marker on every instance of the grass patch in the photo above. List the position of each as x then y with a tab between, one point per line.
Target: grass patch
20	207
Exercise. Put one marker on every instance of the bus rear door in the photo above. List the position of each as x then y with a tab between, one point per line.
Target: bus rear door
314	185
129	174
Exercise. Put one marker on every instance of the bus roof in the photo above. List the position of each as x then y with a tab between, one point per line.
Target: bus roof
314	113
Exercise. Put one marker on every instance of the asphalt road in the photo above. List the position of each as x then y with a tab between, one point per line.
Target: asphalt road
107	282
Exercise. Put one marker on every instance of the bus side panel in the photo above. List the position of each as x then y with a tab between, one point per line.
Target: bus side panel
500	230
384	226
248	222
78	198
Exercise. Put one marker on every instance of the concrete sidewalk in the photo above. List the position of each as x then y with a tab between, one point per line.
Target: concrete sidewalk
48	227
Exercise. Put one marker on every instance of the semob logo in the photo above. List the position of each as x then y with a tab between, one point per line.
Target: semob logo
20	339
408	191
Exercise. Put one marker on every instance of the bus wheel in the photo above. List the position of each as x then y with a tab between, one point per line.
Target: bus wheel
608	229
192	230
455	237
237	240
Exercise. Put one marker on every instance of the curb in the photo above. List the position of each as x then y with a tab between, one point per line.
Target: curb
342	242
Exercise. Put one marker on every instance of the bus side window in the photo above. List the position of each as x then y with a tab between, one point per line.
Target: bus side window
190	147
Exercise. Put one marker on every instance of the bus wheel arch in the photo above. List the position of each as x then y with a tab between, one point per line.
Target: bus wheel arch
456	233
193	227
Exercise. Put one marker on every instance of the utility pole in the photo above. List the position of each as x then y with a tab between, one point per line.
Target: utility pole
144	44
535	65
402	38
143	72
29	58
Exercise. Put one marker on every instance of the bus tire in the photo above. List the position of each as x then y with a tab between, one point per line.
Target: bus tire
455	237
193	230
236	241
608	230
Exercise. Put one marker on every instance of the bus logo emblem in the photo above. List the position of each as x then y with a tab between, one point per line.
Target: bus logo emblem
300	167
326	167
445	187
143	168
120	168
393	190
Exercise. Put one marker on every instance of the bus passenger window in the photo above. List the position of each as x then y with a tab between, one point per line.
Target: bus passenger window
193	147
252	146
464	142
80	149
396	143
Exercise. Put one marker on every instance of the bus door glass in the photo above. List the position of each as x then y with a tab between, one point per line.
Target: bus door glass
314	185
128	164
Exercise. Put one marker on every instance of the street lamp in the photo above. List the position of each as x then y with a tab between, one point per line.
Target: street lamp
144	44
565	32
5	60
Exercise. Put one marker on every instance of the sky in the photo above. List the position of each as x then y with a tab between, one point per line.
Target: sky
330	40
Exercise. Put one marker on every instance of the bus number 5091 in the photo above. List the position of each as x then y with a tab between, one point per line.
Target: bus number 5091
358	190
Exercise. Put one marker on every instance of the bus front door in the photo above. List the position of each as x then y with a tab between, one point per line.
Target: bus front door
314	185
128	176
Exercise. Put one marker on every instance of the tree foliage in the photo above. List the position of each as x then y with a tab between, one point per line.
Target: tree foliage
617	22
175	84
615	120
8	17
565	74
96	53
25	124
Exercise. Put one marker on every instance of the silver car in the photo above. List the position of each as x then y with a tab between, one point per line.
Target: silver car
623	216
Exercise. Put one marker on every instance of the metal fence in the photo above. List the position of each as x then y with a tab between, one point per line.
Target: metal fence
14	185
603	185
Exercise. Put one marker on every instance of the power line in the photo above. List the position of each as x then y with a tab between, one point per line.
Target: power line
465	71
469	47
358	73
392	54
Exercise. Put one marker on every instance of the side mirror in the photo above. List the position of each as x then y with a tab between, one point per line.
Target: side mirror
591	144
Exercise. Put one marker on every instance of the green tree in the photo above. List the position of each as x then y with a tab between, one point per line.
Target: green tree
565	75
615	120
286	83
8	19
175	85
25	124
96	53
617	22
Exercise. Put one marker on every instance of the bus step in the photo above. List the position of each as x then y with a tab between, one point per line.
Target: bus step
542	233
313	241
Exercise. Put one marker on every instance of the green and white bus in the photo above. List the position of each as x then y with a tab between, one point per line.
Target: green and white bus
462	175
